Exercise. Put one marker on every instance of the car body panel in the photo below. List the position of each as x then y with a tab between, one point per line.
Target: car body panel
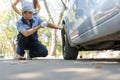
87	20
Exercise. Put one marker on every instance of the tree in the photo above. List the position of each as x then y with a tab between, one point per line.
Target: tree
53	42
54	35
8	30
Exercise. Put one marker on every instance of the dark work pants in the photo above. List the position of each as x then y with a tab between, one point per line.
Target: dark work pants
36	48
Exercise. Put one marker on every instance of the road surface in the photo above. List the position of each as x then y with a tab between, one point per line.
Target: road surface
48	69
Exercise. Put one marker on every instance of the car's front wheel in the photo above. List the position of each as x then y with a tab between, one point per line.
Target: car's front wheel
69	53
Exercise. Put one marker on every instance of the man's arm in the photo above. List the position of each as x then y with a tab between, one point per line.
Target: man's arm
29	32
50	25
14	4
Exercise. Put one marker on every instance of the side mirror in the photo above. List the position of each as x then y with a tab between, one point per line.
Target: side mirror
64	4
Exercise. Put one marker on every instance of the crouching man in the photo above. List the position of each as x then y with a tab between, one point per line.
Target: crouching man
27	38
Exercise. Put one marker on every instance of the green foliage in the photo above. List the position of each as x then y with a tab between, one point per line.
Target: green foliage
10	32
7	31
5	40
59	47
45	36
6	16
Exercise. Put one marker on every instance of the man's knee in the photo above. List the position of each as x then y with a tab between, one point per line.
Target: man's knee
44	53
41	49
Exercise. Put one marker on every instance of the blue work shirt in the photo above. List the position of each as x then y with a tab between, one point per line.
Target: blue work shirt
22	25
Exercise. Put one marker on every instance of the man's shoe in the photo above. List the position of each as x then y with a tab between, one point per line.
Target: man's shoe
18	57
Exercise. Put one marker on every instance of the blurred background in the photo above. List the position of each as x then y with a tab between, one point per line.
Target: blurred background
51	10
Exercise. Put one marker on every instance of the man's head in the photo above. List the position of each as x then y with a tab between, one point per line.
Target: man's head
27	12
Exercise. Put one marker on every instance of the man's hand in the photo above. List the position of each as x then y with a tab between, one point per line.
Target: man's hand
43	24
60	28
50	25
31	31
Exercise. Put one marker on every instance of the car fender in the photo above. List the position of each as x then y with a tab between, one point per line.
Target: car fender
65	22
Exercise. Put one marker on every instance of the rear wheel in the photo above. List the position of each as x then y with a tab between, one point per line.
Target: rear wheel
69	53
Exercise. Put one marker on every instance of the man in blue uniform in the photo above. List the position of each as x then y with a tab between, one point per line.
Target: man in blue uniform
27	27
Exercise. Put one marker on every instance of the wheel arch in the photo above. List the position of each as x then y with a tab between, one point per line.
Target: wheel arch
66	31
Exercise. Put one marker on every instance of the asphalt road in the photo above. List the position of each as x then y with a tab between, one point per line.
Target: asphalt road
45	69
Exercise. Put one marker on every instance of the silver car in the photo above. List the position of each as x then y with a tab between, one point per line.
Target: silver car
90	25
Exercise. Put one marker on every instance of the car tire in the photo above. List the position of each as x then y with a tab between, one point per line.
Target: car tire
69	53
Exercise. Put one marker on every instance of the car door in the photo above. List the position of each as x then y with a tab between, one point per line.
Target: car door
79	18
84	15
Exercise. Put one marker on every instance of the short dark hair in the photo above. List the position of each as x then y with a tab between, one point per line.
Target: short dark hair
25	12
